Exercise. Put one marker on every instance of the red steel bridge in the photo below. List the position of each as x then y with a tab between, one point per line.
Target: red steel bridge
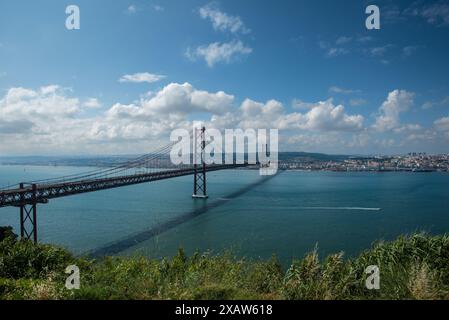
26	196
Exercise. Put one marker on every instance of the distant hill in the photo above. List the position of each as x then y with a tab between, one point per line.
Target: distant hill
306	156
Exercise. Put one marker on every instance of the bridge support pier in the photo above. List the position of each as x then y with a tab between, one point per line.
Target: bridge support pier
28	217
199	177
28	222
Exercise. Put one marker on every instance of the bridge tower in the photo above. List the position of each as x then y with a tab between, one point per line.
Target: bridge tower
199	178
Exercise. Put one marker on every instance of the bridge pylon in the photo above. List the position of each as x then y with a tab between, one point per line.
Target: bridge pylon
199	177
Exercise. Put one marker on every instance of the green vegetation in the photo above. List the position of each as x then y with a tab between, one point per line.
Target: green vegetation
414	267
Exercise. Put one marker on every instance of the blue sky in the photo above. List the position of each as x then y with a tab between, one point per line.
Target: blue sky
138	69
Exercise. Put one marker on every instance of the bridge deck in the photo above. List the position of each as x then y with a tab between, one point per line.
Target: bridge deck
44	192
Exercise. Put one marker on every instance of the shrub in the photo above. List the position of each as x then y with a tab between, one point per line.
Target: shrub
24	259
412	267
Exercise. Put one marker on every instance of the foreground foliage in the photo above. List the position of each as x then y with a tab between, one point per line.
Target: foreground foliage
413	267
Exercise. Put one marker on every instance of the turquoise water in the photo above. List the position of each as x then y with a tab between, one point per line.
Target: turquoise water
287	215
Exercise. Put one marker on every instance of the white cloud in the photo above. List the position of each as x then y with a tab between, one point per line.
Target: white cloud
176	100
430	104
392	14
357	102
219	52
334	52
158	8
51	89
398	101
379	51
37	119
92	103
222	21
409	50
425	136
339	90
301	105
343	40
322	117
325	116
437	13
50	120
131	9
141	77
408	128
442	124
17	94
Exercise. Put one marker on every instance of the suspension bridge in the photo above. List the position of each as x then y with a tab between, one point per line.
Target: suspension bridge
147	168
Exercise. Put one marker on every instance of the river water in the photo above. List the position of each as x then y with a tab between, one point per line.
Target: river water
287	215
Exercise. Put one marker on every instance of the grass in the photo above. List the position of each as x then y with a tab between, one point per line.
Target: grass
411	267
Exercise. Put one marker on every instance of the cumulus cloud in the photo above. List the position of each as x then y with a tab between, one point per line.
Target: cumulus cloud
219	52
184	98
222	21
49	101
39	118
322	117
325	116
141	77
157	115
398	101
50	120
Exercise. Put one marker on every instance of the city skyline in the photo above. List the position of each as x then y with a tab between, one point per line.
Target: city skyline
136	70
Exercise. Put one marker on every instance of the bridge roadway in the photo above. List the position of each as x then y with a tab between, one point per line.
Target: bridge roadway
41	193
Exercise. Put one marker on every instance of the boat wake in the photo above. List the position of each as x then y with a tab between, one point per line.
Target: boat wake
341	208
